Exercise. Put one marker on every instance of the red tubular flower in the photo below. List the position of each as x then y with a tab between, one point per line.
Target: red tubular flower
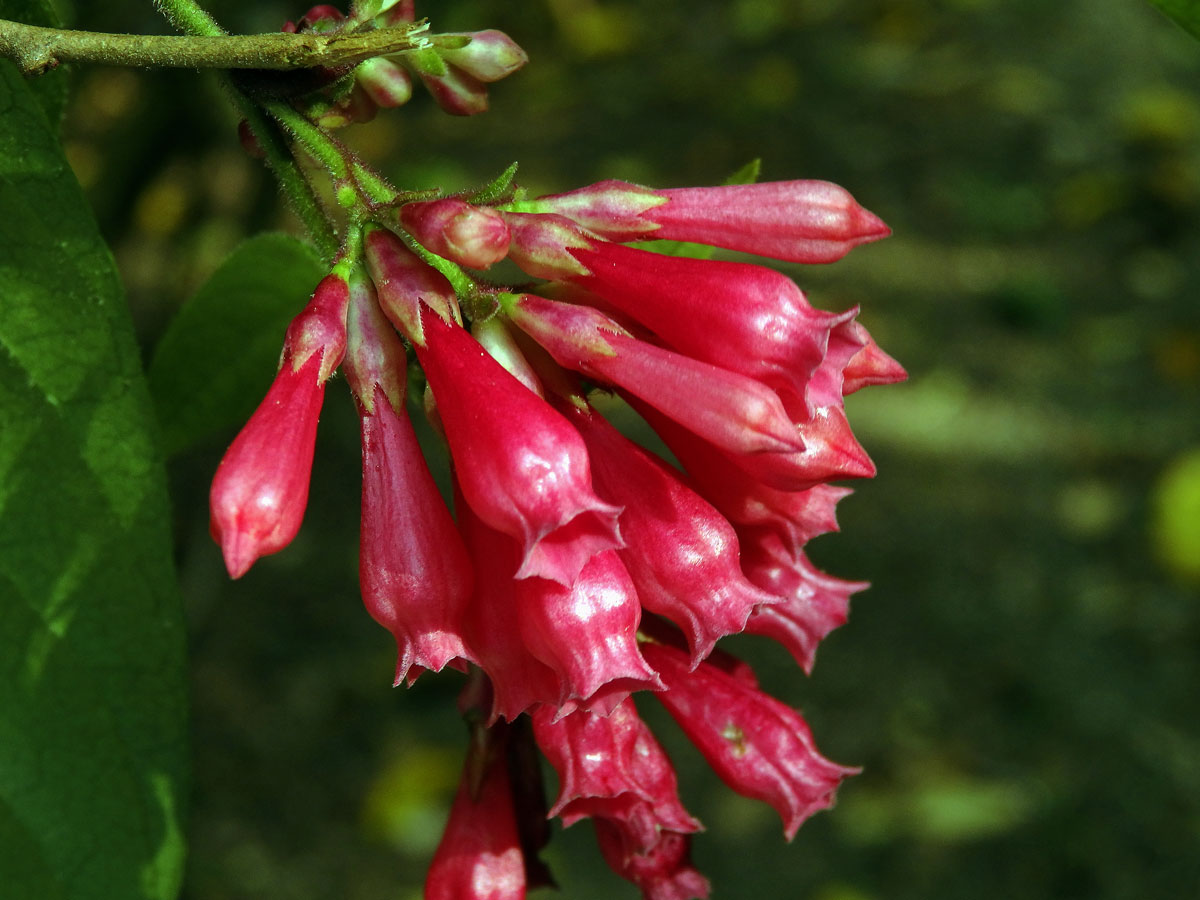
744	318
414	571
681	553
809	603
519	680
523	469
473	236
758	746
797	516
798	221
734	412
664	872
260	488
611	767
587	633
479	857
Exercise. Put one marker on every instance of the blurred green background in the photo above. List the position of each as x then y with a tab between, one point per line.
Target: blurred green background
1020	684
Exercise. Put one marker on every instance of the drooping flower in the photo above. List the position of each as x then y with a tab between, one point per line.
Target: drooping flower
682	554
260	490
480	857
522	467
524	470
758	746
414	571
809	604
611	767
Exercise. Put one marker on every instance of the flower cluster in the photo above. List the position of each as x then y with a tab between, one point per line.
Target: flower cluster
579	568
455	68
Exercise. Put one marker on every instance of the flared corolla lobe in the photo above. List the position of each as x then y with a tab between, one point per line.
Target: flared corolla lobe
758	746
681	552
808	603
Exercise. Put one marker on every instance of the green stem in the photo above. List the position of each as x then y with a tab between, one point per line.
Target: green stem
190	17
291	179
36	50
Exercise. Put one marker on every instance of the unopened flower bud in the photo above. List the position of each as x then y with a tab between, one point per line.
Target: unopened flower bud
487	55
736	413
388	84
322	17
798	221
405	284
472	236
457	92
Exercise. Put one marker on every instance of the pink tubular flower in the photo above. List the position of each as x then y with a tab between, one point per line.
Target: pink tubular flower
473	236
519	680
760	747
797	516
664	872
734	412
523	468
611	767
809	603
744	318
260	489
797	221
681	553
415	574
587	633
479	857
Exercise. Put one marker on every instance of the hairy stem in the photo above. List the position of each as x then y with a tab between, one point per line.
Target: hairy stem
291	180
36	50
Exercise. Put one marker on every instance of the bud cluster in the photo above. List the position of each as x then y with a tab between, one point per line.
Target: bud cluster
578	567
455	68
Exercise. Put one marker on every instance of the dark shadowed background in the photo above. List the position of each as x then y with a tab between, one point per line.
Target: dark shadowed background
1019	684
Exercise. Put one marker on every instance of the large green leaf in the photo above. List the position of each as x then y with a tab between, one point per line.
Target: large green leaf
51	88
1185	12
219	355
92	699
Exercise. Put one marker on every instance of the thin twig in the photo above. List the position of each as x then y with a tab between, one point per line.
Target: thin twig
36	50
